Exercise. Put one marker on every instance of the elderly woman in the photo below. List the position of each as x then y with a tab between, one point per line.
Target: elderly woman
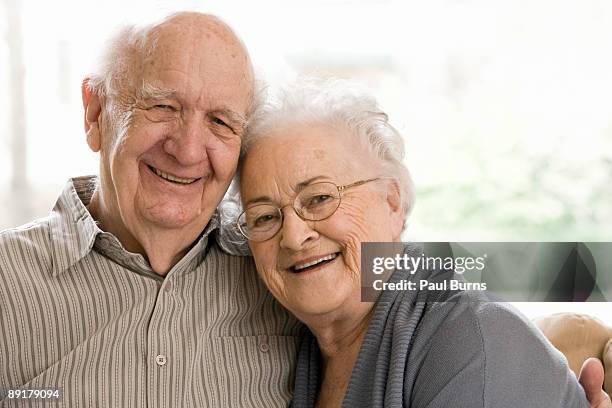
322	172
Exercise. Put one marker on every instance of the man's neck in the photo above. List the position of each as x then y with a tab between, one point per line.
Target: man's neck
163	248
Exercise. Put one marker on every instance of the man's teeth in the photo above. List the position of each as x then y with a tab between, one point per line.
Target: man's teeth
308	264
170	177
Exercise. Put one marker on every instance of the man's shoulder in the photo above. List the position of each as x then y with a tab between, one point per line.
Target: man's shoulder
21	246
25	234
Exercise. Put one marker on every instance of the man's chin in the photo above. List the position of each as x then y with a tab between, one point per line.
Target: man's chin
173	219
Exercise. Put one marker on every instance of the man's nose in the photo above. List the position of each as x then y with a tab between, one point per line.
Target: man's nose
189	141
296	234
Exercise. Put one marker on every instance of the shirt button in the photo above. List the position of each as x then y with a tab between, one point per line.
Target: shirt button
264	347
160	359
168	287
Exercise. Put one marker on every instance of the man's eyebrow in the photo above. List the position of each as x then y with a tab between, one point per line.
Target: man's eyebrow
149	91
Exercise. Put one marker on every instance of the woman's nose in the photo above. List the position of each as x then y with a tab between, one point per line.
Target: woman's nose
296	234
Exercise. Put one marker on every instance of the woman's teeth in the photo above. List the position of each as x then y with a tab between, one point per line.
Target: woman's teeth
299	267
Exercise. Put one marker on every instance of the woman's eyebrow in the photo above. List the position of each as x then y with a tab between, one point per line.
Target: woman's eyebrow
301	185
258	200
298	187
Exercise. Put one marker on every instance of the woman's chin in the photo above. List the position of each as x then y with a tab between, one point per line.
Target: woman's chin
311	307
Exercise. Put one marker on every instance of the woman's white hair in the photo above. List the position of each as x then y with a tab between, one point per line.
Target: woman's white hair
335	102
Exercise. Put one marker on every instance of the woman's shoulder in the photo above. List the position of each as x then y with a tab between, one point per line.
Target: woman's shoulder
469	342
469	323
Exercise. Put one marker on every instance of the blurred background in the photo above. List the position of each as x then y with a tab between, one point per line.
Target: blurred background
506	107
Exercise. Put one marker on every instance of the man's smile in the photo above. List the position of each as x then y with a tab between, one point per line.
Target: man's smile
172	178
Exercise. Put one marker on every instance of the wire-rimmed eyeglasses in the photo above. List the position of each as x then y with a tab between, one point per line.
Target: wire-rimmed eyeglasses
315	202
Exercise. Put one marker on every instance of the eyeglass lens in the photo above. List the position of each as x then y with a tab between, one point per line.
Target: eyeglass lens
315	202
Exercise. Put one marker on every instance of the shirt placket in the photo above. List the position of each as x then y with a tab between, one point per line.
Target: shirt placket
162	353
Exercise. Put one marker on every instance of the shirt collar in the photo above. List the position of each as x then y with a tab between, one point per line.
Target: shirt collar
74	233
73	230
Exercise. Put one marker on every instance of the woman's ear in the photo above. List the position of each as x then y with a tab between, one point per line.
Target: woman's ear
396	210
92	109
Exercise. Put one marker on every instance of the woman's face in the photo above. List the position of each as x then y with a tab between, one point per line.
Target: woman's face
276	168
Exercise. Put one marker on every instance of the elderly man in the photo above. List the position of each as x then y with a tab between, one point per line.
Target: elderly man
124	296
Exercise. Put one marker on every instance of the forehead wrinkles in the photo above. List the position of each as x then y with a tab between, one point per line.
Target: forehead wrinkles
342	156
202	54
193	42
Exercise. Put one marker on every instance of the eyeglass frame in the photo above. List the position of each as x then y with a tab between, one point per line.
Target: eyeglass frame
280	209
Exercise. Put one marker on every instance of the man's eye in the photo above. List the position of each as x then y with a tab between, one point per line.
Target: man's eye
220	122
169	108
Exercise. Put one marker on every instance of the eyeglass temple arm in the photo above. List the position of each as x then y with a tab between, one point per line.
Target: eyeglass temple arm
357	183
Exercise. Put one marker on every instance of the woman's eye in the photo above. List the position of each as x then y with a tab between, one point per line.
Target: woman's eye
265	220
319	199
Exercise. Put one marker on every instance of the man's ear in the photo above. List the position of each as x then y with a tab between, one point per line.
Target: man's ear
92	109
394	201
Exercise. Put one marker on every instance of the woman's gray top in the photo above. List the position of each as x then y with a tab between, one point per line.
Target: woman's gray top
447	349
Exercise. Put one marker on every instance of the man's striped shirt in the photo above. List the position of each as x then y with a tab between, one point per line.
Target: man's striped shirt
80	314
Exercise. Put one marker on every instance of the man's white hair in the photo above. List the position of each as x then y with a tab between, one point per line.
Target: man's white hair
121	57
114	76
335	102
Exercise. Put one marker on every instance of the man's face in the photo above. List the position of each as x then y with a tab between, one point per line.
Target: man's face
173	163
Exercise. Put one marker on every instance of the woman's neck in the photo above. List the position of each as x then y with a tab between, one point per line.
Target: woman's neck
339	340
342	335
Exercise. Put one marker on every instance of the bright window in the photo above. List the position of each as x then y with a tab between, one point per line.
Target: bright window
506	106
